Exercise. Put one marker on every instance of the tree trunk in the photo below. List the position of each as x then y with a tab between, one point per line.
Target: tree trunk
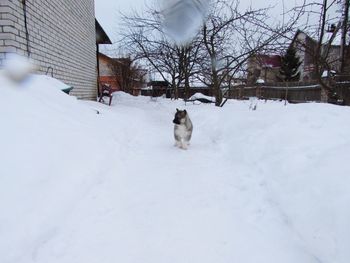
326	89
187	89
218	99
217	90
175	89
343	35
324	95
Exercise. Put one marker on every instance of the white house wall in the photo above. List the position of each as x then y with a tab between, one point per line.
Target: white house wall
61	35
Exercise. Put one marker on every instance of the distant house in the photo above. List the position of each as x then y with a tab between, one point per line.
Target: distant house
265	67
107	76
157	88
262	67
121	74
61	37
305	46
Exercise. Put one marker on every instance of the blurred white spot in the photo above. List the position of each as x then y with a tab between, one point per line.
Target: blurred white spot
184	18
16	68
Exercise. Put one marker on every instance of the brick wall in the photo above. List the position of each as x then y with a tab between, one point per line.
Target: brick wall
105	65
61	35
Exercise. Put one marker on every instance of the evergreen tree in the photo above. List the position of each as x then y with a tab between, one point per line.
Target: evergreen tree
289	65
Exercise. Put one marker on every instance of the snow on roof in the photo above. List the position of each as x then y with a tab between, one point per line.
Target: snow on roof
327	36
156	76
197	84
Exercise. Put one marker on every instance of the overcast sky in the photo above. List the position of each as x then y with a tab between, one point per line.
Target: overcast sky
107	11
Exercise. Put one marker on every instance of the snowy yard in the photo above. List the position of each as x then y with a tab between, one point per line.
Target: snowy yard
270	185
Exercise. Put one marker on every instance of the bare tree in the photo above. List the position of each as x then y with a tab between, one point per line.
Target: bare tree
321	50
145	38
345	31
231	36
215	56
128	74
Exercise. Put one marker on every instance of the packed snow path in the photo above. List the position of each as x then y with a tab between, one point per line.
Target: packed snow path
269	185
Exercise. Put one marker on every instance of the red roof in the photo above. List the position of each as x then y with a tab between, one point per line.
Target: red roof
272	61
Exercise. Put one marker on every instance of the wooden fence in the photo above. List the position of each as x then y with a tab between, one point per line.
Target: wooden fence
168	93
294	92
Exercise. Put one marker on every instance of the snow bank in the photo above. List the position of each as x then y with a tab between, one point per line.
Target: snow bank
34	80
199	95
50	156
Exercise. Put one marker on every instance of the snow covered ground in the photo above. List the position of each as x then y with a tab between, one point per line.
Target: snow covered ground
265	185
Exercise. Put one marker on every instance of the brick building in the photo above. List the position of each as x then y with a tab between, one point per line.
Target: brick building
107	76
263	67
117	72
59	36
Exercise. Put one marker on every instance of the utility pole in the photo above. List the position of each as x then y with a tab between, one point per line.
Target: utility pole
345	27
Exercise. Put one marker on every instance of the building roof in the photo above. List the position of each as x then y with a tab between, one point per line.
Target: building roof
326	38
302	32
270	61
101	36
118	60
101	55
158	83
